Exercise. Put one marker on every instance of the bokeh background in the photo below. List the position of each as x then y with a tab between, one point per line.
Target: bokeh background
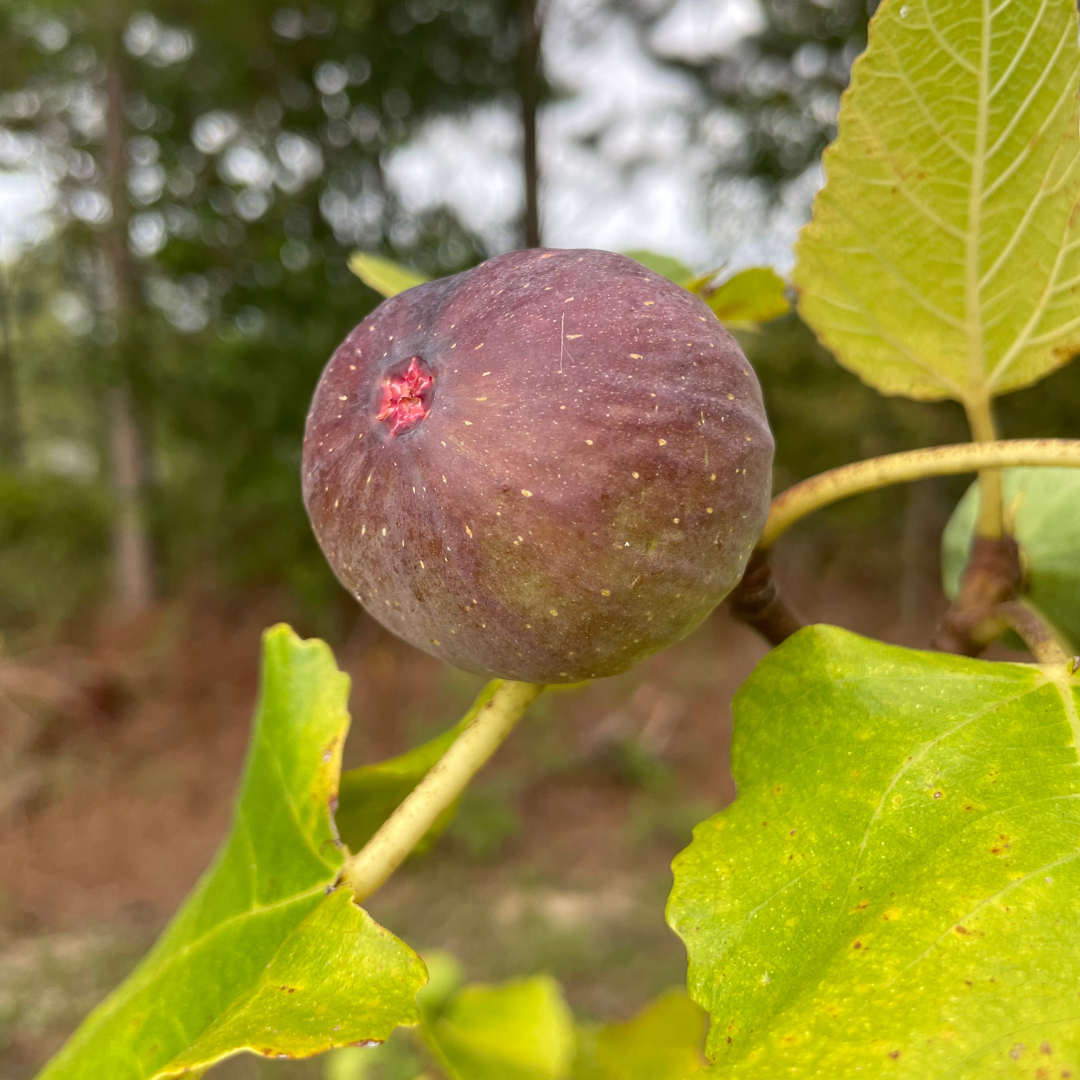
181	184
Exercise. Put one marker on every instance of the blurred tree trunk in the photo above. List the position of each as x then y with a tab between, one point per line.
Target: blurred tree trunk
12	450
133	579
530	89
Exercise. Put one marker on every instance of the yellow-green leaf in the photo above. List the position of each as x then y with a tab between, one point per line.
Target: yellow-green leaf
520	1030
663	1042
665	265
896	890
748	297
260	957
386	277
943	258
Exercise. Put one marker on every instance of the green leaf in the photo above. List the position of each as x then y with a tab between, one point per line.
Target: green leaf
750	296
520	1030
896	889
663	1042
943	258
260	957
384	276
369	795
1043	506
665	265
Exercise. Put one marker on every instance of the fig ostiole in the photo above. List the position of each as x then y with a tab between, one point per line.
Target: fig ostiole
543	469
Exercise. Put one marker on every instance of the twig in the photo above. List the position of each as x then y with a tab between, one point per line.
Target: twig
365	871
756	601
836	484
991	578
1035	631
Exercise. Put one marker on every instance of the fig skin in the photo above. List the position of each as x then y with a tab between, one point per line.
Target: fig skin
590	477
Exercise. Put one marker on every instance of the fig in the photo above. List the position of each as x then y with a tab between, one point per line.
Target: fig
545	468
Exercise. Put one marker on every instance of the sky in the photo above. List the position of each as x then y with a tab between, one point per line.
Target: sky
620	168
643	185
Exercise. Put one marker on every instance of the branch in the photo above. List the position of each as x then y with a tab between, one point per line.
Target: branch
1036	632
836	484
756	601
365	871
991	578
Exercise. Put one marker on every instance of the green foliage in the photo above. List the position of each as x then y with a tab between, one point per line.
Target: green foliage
743	300
249	293
944	254
1043	510
261	957
748	297
894	892
665	265
53	550
519	1030
386	277
368	795
663	1042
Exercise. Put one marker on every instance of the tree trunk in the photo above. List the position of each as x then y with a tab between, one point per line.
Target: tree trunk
133	579
530	87
12	451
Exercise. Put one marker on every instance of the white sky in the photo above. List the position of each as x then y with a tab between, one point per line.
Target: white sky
640	185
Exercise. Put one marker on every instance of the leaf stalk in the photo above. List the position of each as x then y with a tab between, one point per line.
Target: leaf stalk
990	523
369	868
1034	630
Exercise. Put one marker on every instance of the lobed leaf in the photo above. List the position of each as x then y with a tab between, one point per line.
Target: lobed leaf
386	277
1043	509
260	957
943	258
896	890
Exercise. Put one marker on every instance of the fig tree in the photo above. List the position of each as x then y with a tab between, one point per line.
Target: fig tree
545	468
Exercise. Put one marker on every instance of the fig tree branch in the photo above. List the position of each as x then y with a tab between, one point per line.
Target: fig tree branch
365	871
993	576
1034	630
756	601
836	484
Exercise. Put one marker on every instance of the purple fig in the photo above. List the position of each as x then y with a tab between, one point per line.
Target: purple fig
546	468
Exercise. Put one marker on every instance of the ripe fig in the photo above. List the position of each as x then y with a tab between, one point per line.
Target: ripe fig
545	468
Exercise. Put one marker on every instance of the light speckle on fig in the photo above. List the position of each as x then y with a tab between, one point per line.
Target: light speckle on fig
605	551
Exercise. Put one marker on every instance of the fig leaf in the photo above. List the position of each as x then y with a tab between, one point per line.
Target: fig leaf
665	265
1043	509
260	957
386	277
748	297
519	1030
896	889
943	257
663	1042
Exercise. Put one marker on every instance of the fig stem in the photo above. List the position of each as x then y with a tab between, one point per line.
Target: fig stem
1035	631
366	871
836	484
991	520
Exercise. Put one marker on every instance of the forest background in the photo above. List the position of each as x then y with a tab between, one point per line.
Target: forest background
181	186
